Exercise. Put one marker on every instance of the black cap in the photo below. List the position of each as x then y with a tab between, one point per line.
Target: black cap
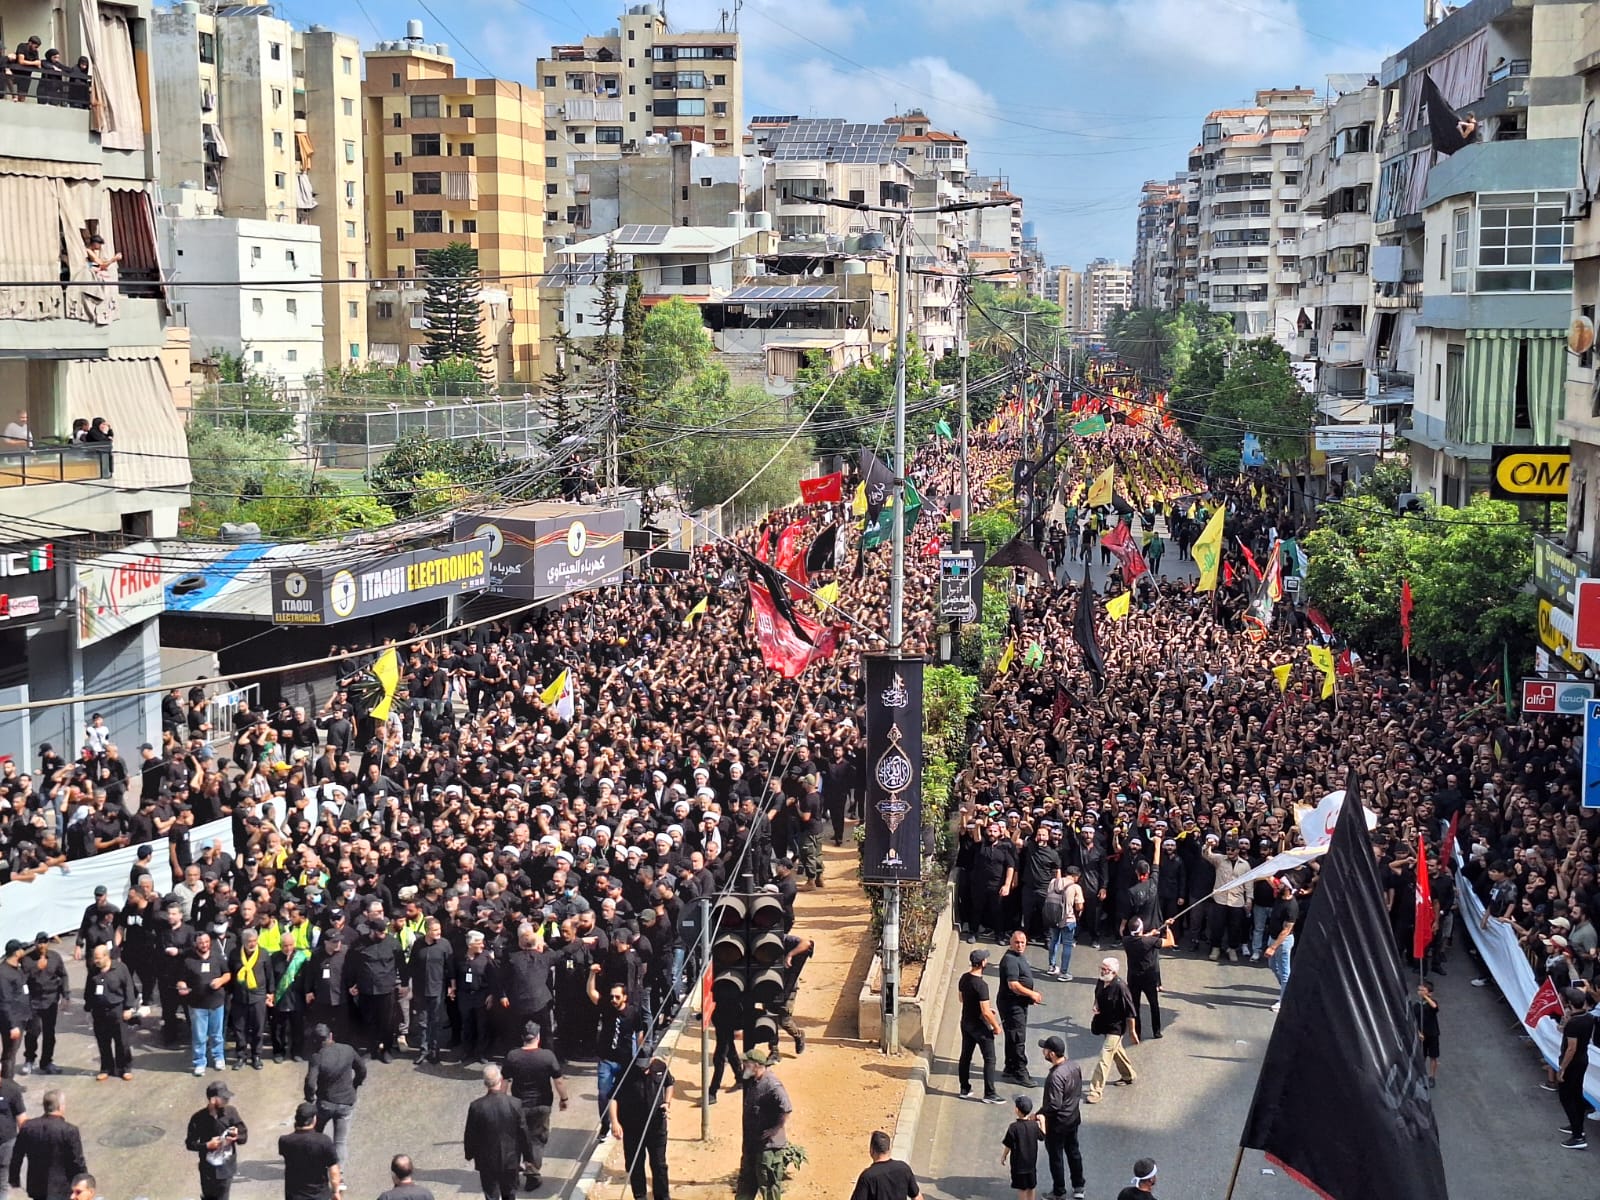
978	957
40	938
100	891
12	947
531	1030
1053	1044
219	1090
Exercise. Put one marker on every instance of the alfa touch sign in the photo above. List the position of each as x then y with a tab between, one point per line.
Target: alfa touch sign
537	558
1556	697
327	596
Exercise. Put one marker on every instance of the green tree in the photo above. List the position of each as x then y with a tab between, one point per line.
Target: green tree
452	309
472	464
674	346
1385	482
557	405
855	407
631	365
1142	339
244	398
995	320
708	470
1468	570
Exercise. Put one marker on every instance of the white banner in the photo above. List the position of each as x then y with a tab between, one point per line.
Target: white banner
119	590
1508	965
54	902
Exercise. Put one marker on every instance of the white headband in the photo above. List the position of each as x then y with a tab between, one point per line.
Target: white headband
1138	1179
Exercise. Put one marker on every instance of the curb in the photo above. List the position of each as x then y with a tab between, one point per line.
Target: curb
909	1117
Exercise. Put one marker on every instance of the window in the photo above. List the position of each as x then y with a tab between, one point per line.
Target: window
1521	237
467	110
350	270
275	49
257	306
291	356
427	183
394	79
466	149
399	233
551	161
705	181
385	310
719	108
470	225
719	81
1522	411
608	135
279	179
427	221
719	135
288	258
255	254
549	135
630	38
398	158
424	106
349	152
1355	140
549	81
352	308
349	106
256	356
550	189
399	198
348	64
858	196
208	48
578	139
292	307
632	90
1460	249
694	80
551	217
398	120
355	350
425	143
277	97
277	139
681	108
350	229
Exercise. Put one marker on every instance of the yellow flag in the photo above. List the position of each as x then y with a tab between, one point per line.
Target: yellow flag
1208	552
1281	674
699	610
1100	490
553	693
1005	659
1117	606
387	672
1322	659
858	502
827	594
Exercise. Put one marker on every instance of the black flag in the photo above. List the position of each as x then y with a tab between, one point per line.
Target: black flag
1083	628
1443	124
1018	553
778	588
878	481
823	552
1342	1102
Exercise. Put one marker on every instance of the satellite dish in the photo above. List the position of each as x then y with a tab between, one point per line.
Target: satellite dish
1580	337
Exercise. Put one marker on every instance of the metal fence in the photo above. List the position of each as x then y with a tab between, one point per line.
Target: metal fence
361	439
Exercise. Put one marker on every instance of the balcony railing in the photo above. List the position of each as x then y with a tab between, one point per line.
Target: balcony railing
54	464
1514	69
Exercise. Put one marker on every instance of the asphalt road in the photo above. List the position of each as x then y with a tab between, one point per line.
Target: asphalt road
133	1132
1498	1130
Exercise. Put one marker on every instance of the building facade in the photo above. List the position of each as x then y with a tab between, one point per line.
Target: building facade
1154	255
92	348
449	160
266	119
607	94
1107	286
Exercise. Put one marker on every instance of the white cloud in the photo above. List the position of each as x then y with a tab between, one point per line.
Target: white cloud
815	87
1184	37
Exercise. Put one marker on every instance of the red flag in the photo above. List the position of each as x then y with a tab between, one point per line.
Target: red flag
764	546
1423	933
1546	1003
1059	708
782	648
1450	842
823	489
1405	614
1227	574
1319	622
933	545
1133	565
790	560
1345	664
1249	558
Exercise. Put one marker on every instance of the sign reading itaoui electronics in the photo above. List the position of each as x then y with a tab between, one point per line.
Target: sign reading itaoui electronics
327	596
536	558
893	849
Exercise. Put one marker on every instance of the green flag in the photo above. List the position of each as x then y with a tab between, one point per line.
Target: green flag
943	428
1033	656
884	530
1090	425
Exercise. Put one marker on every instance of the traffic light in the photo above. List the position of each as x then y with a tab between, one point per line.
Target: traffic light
747	961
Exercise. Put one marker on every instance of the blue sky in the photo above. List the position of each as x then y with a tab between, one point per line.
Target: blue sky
1078	101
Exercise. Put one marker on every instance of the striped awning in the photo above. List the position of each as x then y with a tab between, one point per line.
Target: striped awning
1483	411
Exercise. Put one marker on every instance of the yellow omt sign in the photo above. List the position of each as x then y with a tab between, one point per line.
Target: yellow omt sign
1529	472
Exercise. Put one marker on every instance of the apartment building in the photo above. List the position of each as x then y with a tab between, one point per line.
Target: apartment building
1476	238
1248	166
1107	286
1186	239
938	160
998	228
607	94
260	121
1069	295
1154	260
1363	352
76	618
449	159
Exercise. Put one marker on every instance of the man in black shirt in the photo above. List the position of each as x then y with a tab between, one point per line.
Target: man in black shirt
1113	1021
310	1163
1063	1089
979	1025
405	1188
887	1178
431	973
1280	933
534	1076
1144	969
639	1117
621	1034
1017	994
48	989
1577	1031
1143	1186
1040	863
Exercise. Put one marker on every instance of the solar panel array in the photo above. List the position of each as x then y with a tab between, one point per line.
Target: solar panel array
642	235
745	294
583	270
833	140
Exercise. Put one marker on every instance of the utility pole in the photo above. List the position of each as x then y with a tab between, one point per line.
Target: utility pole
611	426
964	349
890	949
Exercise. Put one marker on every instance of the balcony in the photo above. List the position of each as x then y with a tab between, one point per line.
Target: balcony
1220	221
1289	191
1246	191
31	128
1391	296
54	464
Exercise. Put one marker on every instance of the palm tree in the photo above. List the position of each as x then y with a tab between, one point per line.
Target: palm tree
1141	339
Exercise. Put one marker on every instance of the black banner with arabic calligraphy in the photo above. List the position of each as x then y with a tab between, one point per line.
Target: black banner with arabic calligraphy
893	846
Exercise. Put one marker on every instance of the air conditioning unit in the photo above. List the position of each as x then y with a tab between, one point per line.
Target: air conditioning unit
1578	205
